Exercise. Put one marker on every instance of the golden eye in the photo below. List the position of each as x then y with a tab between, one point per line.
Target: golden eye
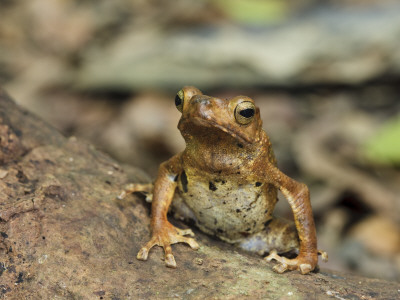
179	100
244	112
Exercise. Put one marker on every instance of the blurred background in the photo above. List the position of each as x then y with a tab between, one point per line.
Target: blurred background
325	74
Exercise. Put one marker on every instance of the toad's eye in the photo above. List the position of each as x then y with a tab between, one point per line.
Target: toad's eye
244	112
179	100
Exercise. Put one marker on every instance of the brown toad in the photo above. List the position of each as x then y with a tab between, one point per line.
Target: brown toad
226	181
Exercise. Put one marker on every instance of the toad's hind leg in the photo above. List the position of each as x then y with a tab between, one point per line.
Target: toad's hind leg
146	188
278	235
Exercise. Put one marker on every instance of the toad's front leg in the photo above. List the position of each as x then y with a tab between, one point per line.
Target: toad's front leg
299	200
164	234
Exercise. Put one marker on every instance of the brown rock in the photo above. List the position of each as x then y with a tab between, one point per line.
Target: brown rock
63	235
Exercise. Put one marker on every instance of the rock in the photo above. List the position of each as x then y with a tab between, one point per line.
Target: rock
63	234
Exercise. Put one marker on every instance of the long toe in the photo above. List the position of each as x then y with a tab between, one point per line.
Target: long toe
192	243
170	261
280	268
143	254
186	232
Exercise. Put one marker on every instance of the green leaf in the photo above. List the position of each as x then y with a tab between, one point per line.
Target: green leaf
384	147
254	11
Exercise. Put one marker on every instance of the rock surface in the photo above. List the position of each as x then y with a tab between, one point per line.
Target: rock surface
63	235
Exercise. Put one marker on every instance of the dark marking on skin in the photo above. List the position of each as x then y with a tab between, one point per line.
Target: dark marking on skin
211	186
265	211
4	235
184	182
245	234
191	195
223	202
248	229
258	183
220	181
176	178
238	173
219	230
253	202
240	145
238	210
266	224
219	171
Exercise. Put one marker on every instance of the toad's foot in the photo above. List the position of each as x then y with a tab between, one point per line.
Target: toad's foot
165	237
324	255
304	264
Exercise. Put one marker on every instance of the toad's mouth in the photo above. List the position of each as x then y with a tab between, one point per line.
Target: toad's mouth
193	125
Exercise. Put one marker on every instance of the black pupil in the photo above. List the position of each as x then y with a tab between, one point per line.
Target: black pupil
178	101
247	113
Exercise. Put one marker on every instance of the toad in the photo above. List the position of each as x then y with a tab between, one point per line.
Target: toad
226	181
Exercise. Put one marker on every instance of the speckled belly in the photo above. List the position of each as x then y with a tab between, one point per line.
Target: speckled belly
229	208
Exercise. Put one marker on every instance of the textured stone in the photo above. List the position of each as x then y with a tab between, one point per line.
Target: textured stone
63	234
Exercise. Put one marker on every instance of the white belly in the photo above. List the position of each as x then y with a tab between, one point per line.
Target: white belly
229	208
